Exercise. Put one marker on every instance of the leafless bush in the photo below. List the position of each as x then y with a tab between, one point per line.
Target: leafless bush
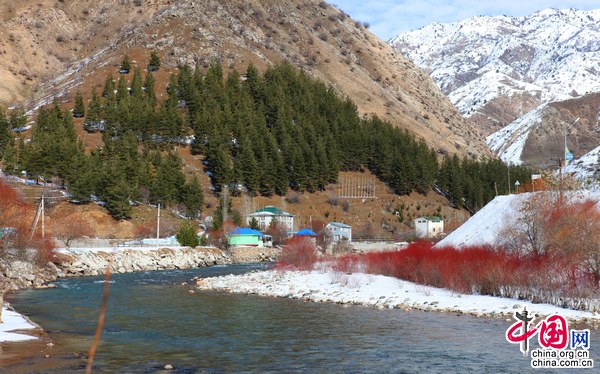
299	252
293	197
333	200
346	206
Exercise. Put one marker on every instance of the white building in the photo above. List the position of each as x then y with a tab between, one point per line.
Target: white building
429	227
339	231
266	215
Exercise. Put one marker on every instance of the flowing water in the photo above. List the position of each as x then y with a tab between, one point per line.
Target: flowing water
153	320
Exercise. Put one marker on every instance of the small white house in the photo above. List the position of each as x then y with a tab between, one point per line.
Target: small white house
339	231
269	213
429	227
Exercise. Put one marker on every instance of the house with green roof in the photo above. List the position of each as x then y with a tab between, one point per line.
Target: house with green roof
266	215
429	227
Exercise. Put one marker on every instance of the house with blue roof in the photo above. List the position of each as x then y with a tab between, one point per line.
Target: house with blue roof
246	237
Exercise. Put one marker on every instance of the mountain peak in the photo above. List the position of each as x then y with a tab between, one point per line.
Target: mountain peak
497	69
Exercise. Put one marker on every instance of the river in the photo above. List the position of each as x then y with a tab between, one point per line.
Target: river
152	320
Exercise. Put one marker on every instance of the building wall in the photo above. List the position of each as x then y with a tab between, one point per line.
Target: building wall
337	233
435	229
264	220
241	240
428	229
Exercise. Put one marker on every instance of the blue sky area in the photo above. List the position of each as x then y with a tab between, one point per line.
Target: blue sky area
388	18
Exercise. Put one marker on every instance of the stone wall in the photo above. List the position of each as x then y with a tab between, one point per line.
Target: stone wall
241	255
86	263
18	274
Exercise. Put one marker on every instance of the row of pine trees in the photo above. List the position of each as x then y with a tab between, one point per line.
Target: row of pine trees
259	134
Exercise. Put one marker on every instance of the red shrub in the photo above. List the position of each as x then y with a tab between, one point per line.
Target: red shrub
17	216
481	270
299	252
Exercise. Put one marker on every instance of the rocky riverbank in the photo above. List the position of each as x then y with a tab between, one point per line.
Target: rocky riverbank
86	262
76	262
327	285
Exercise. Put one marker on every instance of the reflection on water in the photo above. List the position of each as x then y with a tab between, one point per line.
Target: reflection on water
152	320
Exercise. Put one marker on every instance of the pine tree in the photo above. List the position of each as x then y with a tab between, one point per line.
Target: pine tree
83	178
188	235
94	111
218	219
149	89
8	148
247	167
122	90
6	137
109	88
136	84
154	64
254	224
79	109
125	65
17	118
193	198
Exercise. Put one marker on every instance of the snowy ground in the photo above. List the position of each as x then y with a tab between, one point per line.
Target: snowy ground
485	227
379	291
14	321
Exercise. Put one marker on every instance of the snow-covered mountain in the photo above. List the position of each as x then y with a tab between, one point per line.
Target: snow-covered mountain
506	74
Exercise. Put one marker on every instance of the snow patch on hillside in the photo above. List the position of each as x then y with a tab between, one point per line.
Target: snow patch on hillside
552	54
549	56
508	143
585	167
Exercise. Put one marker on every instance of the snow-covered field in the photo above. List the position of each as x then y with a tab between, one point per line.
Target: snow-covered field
326	285
14	321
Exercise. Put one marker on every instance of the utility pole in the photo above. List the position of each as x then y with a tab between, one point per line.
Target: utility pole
567	154
508	171
40	212
158	226
43	218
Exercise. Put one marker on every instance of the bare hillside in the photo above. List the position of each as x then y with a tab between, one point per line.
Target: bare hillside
50	46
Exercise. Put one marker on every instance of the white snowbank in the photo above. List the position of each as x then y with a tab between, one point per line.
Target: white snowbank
378	291
14	321
485	227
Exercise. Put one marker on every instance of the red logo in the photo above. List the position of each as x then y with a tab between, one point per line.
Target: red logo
553	332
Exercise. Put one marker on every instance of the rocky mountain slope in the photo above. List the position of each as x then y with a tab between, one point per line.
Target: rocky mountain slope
519	79
49	47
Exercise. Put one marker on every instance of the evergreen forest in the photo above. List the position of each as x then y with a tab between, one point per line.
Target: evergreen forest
260	134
